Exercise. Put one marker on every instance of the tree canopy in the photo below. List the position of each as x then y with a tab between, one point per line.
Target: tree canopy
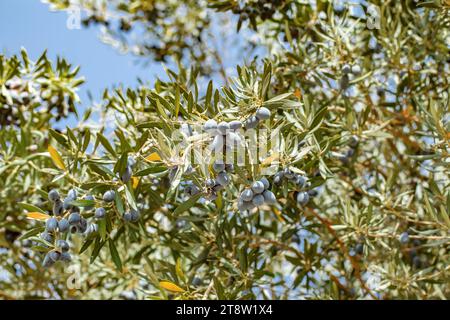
336	120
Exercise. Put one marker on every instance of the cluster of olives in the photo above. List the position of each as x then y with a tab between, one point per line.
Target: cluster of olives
190	188
109	196
132	215
224	133
68	219
261	115
222	171
347	73
222	179
60	253
256	195
287	174
300	181
61	224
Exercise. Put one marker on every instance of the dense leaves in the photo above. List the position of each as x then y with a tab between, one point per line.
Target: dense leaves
356	107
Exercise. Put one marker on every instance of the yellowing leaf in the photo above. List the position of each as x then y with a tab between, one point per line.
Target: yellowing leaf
179	270
56	158
153	157
270	160
278	214
37	216
170	286
135	182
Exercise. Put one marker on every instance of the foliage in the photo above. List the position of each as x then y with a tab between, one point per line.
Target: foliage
360	113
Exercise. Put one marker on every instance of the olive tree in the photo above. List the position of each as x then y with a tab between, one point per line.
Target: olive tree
316	169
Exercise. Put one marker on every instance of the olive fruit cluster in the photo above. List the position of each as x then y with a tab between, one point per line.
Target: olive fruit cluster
287	174
256	195
60	253
300	181
68	219
131	216
224	133
222	171
190	188
261	115
221	181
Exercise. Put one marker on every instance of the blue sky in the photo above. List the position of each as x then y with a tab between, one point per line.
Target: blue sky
31	24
